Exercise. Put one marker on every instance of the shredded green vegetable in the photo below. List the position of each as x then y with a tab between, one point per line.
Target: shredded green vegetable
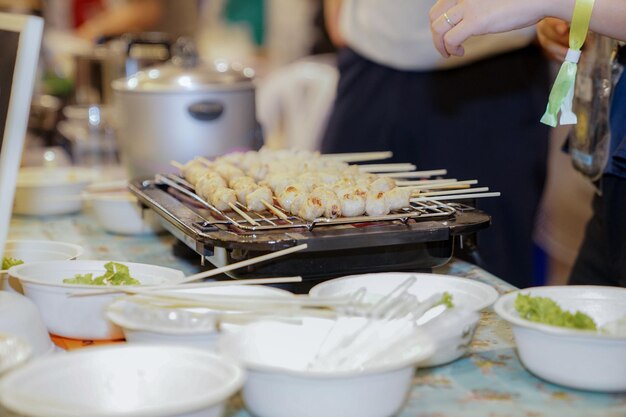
547	311
446	299
116	274
8	262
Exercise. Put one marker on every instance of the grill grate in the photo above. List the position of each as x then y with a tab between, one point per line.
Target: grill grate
275	219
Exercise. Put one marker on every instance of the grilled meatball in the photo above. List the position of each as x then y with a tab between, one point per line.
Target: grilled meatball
291	192
255	199
352	202
193	171
311	209
222	197
207	185
383	184
330	201
398	198
376	204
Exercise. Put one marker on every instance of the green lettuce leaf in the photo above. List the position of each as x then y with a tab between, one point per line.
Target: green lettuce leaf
8	262
115	274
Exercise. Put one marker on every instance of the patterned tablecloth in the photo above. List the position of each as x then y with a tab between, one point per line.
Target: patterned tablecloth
489	382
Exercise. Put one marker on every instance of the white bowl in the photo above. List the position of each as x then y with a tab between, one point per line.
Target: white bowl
143	324
14	351
280	384
120	213
50	191
573	358
35	251
80	317
123	381
468	295
19	316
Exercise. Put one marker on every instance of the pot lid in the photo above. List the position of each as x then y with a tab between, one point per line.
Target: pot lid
177	78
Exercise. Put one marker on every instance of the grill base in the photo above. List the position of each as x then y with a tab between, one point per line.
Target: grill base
328	264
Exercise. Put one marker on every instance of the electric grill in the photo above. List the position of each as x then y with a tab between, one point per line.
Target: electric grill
420	237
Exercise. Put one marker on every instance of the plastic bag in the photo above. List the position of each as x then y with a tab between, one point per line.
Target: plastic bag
598	71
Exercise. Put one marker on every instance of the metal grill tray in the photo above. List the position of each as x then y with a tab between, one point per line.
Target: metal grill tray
419	238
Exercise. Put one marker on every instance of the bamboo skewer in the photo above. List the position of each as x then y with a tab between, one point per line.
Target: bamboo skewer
232	315
415	174
405	183
453	184
242	264
456	197
204	160
239	301
223	306
452	192
459	189
276	211
400	167
177	164
211	284
156	288
358	156
210	273
243	214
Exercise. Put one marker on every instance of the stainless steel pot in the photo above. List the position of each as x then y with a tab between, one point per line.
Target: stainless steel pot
173	112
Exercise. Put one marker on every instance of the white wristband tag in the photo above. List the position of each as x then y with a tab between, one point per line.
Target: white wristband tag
572	56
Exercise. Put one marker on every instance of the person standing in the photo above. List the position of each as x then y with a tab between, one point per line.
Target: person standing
474	116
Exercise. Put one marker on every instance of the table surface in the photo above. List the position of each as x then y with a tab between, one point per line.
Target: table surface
489	382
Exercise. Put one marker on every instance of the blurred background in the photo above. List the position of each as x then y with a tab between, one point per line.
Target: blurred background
282	46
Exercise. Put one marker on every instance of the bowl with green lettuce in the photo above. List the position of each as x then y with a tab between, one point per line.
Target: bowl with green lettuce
17	252
573	336
73	295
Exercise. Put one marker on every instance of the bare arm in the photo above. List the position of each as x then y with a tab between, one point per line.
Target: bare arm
332	10
136	16
466	18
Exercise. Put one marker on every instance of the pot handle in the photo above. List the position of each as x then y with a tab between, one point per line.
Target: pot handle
206	111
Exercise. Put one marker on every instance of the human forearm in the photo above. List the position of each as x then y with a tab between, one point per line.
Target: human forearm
466	18
608	18
332	10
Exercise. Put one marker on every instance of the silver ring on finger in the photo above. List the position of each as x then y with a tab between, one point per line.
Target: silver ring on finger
447	18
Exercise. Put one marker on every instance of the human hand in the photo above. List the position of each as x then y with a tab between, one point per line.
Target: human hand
454	21
553	36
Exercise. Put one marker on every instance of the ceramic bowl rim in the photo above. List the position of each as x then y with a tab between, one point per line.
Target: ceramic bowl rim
87	176
493	296
79	250
15	272
427	350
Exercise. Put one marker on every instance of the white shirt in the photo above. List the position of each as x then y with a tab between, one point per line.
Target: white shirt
396	33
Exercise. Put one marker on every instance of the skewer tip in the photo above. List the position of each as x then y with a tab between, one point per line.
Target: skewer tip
176	164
